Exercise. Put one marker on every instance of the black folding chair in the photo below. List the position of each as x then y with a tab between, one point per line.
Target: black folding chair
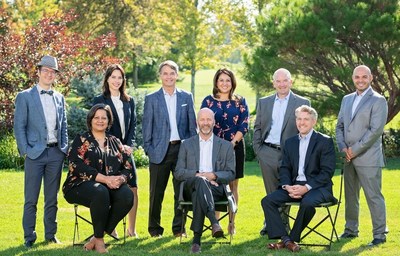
330	215
79	216
228	207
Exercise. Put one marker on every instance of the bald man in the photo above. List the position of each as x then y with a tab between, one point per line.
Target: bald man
359	129
206	163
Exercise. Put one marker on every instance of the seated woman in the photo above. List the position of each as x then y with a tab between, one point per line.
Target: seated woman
99	171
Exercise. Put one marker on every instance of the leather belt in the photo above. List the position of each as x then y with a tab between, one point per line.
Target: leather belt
278	147
50	145
175	142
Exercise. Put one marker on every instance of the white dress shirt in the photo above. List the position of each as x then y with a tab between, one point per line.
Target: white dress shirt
206	148
50	114
170	100
278	114
119	106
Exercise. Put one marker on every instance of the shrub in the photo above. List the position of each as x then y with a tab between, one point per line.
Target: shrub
248	142
86	88
391	142
9	156
76	118
138	96
140	157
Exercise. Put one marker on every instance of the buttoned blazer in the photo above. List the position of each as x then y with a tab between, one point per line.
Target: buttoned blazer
156	128
363	131
263	122
30	126
129	119
223	160
319	164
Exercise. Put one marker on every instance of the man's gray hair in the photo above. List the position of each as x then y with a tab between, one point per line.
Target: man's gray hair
307	109
170	64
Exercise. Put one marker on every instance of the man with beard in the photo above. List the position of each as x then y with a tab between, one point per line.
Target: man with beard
206	164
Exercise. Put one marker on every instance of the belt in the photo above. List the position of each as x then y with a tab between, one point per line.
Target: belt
175	142
278	147
50	145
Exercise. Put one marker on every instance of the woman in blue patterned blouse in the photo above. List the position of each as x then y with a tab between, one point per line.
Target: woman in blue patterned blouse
231	121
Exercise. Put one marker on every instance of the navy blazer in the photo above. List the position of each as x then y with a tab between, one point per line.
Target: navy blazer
30	126
129	119
156	127
319	165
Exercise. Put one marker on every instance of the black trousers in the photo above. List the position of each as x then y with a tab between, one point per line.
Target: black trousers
203	195
159	176
107	206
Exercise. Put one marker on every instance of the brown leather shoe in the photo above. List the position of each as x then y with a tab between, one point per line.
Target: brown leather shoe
195	248
276	246
179	234
292	246
217	230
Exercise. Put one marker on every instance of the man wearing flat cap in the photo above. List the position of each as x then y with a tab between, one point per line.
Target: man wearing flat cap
40	127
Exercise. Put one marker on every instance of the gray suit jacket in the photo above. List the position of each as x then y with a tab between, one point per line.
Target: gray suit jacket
223	160
262	125
30	124
156	127
363	132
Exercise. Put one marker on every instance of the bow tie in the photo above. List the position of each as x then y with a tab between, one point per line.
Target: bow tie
48	92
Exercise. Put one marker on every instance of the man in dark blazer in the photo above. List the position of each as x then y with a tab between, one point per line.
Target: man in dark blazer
275	122
305	175
206	163
168	118
359	129
40	127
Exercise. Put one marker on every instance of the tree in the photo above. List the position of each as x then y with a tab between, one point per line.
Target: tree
51	35
325	40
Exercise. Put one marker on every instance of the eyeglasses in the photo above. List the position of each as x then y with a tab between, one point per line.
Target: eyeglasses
48	71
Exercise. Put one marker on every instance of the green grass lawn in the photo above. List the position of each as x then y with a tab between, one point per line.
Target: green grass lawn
249	220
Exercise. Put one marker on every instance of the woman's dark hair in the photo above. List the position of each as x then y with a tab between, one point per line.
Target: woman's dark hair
92	113
233	82
106	87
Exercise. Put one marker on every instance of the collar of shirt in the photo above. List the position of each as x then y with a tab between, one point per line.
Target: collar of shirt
211	139
39	88
167	94
364	92
307	137
286	97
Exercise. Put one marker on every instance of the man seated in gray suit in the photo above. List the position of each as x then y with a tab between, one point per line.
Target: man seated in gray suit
205	163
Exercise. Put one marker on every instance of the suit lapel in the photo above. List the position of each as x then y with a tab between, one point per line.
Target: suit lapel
36	99
364	99
268	110
216	146
310	148
127	115
179	102
197	151
163	105
289	109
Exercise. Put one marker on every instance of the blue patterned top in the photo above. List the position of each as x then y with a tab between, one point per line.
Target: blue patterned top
230	116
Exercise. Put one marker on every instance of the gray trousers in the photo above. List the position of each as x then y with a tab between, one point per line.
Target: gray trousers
47	167
370	179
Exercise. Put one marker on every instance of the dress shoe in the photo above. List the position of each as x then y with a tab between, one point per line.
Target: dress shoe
53	240
292	246
276	246
195	248
377	241
28	244
217	230
348	235
179	234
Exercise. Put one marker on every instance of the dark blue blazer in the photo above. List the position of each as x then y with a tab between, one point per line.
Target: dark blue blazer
319	165
129	119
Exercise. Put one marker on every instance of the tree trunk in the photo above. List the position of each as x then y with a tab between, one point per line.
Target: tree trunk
193	83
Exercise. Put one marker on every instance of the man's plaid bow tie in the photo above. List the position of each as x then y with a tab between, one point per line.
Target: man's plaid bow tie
48	92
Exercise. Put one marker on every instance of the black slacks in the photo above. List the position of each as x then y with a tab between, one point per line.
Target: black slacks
107	206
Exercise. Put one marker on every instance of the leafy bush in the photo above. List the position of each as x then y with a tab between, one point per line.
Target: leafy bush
76	118
248	142
138	96
391	142
86	88
140	157
9	156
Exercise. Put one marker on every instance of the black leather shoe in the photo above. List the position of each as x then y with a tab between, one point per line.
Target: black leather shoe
348	235
28	244
53	240
217	230
377	241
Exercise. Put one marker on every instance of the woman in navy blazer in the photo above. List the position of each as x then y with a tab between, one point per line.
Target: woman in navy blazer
124	127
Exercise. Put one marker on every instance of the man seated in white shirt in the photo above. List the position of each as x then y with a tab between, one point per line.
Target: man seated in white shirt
206	163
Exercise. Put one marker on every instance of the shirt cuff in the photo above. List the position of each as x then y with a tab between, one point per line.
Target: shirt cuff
309	187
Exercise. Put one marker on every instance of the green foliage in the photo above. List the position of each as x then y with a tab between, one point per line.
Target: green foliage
86	87
391	142
140	157
76	118
9	156
248	142
324	41
138	96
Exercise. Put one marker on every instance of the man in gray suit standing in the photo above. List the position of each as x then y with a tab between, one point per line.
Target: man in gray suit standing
275	122
40	127
362	117
168	118
206	163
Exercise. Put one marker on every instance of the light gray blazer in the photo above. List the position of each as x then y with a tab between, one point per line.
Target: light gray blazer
156	128
363	132
262	125
30	124
223	160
